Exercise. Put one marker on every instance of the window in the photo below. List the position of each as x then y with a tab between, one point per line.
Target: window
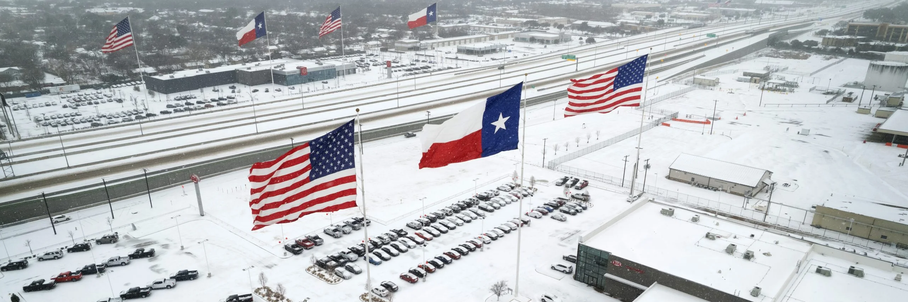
883	237
848	228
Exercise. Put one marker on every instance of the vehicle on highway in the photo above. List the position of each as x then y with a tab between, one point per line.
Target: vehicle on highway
294	248
142	253
559	217
409	134
39	284
167	283
117	261
136	292
409	277
110	238
67	276
563	268
52	255
79	247
184	275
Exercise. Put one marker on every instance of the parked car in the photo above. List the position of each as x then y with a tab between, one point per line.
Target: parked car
52	255
91	269
418	272
460	249
561	181
337	257
390	286
436	263
353	268
349	256
581	196
166	283
239	298
399	247
416	239
503	229
559	217
568	211
142	253
562	268
582	185
343	274
315	239
549	298
294	248
374	260
409	134
136	292
184	275
399	232
79	247
334	232
570	258
326	264
117	261
381	292
444	259
409	277
425	237
305	243
67	276
416	225
39	284
381	255
60	218
110	238
452	255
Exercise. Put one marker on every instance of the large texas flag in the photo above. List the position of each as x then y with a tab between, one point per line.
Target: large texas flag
253	30
482	130
422	17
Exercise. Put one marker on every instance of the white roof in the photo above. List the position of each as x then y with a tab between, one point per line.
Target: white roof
871	209
878	283
661	293
897	123
677	246
718	169
194	72
889	63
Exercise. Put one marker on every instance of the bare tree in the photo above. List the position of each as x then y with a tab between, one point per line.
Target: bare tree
588	138
556	149
281	290
499	288
262	279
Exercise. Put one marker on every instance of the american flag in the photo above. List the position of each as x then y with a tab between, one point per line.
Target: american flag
332	23
120	37
318	176
604	92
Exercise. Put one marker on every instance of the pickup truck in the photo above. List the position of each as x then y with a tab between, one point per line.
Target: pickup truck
39	284
14	265
67	276
136	292
91	269
112	238
142	253
79	247
239	298
184	275
117	261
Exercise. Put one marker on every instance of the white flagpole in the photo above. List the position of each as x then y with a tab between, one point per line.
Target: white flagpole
268	39
343	54
523	143
642	117
135	46
362	190
436	20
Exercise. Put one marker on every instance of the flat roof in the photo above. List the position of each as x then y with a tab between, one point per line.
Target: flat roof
661	293
193	72
878	283
897	123
731	172
677	246
871	209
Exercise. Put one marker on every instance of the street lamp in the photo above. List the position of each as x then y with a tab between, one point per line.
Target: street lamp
248	271
645	172
423	200
207	264
474	186
428	114
177	221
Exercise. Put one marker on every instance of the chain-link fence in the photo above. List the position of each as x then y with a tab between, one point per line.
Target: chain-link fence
611	141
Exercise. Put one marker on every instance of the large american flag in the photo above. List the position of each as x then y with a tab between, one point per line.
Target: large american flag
120	37
318	176
332	23
602	93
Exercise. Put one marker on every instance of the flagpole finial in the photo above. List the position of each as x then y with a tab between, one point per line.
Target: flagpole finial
357	110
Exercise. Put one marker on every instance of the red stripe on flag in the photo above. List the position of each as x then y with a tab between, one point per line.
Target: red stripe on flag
461	150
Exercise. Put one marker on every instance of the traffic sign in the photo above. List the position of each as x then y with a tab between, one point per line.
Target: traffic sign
194	178
569	57
710	35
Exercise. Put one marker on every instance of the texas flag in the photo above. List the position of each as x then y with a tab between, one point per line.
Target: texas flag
254	30
482	130
422	17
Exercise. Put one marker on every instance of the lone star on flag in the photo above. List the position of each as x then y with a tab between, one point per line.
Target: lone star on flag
431	13
499	124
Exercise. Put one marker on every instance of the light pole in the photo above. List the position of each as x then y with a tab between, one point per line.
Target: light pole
851	224
180	235
398	91
500	71
423	200
482	226
248	271
428	114
543	151
207	264
625	171
828	84
645	172
474	186
715	103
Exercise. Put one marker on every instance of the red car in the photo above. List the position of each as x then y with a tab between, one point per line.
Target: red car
475	243
423	236
453	255
305	243
428	268
409	277
67	276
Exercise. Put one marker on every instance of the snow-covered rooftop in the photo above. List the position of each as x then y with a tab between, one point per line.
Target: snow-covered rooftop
718	169
897	123
256	65
661	293
878	283
677	246
871	209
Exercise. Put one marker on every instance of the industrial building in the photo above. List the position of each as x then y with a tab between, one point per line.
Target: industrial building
285	72
655	252
480	49
886	76
706	81
542	37
715	174
869	220
879	31
895	128
839	41
896	56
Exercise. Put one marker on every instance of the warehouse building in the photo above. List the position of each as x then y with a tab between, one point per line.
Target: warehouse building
869	220
654	252
286	72
542	37
716	174
480	49
293	74
895	128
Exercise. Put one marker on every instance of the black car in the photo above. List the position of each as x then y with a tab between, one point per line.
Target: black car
150	114
561	181
358	250
14	265
390	286
417	272
399	232
91	269
570	258
142	253
574	181
340	259
239	298
184	275
443	259
293	248
136	292
79	247
437	264
317	240
468	247
462	250
39	284
166	112
110	238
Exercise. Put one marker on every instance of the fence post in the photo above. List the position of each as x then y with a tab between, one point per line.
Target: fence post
108	198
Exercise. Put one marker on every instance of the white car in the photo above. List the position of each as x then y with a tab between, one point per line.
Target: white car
52	255
381	292
163	283
549	298
343	274
559	217
563	268
535	214
60	218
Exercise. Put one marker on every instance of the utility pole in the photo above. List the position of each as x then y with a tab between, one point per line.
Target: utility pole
772	187
147	187
46	208
862	96
428	113
625	171
713	123
543	151
762	88
645	171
